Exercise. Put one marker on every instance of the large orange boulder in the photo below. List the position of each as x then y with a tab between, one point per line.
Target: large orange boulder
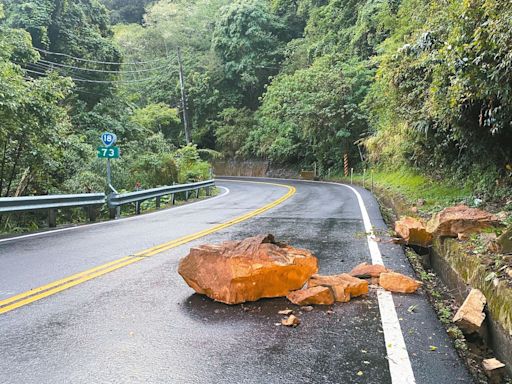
396	282
460	219
311	296
234	272
366	270
413	231
343	286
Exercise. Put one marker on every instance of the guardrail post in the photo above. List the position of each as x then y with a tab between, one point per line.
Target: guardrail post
91	212
208	191
186	195
52	218
137	207
115	213
197	193
173	199
157	202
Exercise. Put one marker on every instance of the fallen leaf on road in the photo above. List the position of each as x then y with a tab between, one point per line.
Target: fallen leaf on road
433	348
360	373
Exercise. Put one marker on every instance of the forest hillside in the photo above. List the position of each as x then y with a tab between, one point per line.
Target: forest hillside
417	87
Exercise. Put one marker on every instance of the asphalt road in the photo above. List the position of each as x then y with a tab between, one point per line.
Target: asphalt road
143	324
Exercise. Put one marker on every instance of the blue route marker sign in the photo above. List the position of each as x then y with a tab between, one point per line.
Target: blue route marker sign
108	139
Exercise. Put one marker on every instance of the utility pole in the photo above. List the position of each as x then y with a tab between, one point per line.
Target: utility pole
184	99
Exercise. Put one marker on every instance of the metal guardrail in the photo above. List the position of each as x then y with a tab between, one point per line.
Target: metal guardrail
92	200
34	203
52	203
117	200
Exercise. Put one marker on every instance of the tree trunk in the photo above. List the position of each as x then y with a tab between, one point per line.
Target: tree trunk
2	167
23	184
14	166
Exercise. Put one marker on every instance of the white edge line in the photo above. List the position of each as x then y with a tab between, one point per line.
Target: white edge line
121	220
400	367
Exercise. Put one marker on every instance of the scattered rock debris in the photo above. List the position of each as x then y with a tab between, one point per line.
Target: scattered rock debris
291	321
460	219
366	270
492	364
396	282
235	272
314	295
286	312
413	231
505	241
470	315
258	267
495	370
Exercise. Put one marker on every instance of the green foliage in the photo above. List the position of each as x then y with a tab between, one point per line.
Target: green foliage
416	84
126	11
191	167
310	115
76	28
413	186
444	78
154	169
34	129
232	129
249	41
160	118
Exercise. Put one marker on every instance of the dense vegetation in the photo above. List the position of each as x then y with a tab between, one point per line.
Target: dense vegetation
417	84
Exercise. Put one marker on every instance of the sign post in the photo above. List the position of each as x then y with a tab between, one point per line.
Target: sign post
109	151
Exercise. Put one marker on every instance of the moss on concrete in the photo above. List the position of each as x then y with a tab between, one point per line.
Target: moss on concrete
472	271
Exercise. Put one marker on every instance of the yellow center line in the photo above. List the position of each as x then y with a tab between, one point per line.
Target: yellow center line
39	293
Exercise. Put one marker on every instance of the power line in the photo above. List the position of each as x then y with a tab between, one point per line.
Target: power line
96	61
61	71
96	81
51	63
68	73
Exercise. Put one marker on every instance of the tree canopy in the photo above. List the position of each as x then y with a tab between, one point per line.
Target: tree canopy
396	83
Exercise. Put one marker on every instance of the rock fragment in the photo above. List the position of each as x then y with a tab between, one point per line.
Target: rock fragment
366	270
495	370
505	241
492	364
470	315
311	296
460	219
285	312
396	282
344	286
413	231
234	272
291	321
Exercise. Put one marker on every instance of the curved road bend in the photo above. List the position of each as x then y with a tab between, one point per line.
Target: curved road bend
142	324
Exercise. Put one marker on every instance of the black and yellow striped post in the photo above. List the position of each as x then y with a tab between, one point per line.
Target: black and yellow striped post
345	163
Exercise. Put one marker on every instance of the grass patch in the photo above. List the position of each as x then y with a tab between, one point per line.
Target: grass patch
413	187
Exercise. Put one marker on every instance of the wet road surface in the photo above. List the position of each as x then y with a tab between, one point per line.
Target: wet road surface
143	324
